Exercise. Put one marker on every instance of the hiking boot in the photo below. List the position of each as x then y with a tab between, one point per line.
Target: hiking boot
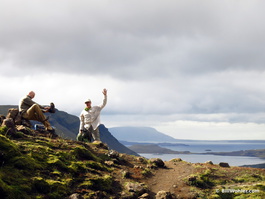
52	108
51	131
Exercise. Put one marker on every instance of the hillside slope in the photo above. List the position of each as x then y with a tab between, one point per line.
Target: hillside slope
33	165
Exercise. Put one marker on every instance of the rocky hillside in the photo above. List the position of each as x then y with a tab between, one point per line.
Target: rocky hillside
36	165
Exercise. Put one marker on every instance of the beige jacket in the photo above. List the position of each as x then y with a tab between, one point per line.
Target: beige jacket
25	103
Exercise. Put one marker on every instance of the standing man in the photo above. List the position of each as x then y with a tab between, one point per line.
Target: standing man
30	110
90	120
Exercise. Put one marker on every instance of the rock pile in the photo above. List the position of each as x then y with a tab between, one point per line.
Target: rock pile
15	124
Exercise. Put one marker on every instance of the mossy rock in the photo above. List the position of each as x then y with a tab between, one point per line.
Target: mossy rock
135	189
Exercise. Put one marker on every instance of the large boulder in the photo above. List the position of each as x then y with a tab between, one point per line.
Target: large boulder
14	114
136	189
164	195
224	164
75	196
157	162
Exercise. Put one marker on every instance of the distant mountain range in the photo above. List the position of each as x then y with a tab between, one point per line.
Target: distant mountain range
67	126
140	134
154	149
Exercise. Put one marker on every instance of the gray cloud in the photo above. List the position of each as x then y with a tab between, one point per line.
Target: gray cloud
131	39
179	59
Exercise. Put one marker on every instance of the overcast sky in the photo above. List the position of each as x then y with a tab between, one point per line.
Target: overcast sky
191	69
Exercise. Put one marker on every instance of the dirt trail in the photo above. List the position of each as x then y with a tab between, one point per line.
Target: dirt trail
172	179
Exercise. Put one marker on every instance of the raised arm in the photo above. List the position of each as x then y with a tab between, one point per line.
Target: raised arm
105	98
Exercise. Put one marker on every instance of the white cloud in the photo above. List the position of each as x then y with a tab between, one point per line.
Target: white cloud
213	130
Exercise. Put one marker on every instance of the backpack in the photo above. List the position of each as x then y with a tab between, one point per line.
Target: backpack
14	114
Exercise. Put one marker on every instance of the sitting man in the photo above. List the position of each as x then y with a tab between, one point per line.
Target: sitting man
90	120
30	110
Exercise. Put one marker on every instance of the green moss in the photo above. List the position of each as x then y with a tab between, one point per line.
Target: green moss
82	153
4	189
78	167
248	178
50	188
146	172
39	157
25	162
19	188
35	167
45	142
3	130
8	149
64	156
39	185
202	180
56	173
260	187
55	162
104	183
96	166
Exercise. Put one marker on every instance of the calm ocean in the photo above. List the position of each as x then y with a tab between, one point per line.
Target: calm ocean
213	146
216	159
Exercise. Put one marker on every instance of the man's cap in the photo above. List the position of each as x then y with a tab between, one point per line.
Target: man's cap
87	101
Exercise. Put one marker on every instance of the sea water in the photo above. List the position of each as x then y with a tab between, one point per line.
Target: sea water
213	146
216	146
216	159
